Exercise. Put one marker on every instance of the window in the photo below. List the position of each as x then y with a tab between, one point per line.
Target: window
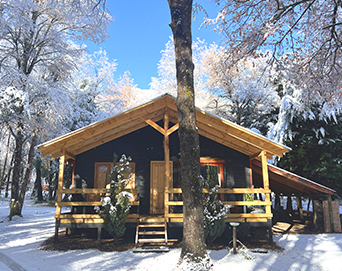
213	164
102	171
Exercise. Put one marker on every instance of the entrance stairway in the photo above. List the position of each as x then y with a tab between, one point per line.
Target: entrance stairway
152	231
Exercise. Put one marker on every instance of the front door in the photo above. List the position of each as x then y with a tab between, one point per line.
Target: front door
157	186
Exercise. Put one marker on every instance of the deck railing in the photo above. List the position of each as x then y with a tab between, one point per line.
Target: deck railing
92	198
238	209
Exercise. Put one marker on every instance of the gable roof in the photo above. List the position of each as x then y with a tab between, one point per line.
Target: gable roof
209	125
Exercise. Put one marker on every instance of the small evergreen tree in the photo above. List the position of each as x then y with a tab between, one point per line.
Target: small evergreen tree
214	210
116	205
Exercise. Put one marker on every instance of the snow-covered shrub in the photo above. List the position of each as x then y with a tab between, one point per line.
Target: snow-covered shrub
214	210
115	207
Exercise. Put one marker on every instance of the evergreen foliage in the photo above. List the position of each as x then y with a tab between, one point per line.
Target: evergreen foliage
214	211
316	149
116	205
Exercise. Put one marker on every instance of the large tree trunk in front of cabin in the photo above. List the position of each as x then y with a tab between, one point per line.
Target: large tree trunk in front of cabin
28	172
193	245
19	141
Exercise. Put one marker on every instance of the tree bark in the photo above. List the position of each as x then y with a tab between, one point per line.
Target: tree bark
9	176
38	183
19	141
193	246
2	178
28	171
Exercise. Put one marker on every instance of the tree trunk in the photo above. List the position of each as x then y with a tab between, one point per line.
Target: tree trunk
19	140
38	183
9	176
2	175
193	246
27	175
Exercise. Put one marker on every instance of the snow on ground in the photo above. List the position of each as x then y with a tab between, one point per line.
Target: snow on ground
20	240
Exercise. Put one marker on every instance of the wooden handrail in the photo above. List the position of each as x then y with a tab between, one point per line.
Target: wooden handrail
82	191
235	203
92	191
225	190
78	203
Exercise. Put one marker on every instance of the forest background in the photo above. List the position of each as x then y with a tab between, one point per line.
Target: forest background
54	80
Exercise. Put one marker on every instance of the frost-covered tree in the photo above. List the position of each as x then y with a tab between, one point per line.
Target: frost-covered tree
93	77
122	95
245	94
303	35
166	81
36	53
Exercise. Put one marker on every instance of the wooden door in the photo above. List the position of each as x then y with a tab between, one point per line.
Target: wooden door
157	186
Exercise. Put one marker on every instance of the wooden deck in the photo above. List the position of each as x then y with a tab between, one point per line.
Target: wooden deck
239	209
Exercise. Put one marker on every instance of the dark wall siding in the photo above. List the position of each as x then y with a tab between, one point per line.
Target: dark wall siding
146	145
143	146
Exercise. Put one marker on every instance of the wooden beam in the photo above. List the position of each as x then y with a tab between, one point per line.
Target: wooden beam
98	128
69	155
60	180
230	142
172	129
239	143
244	134
115	132
265	179
166	158
153	124
255	155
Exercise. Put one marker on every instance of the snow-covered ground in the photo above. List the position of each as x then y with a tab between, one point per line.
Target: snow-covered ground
20	240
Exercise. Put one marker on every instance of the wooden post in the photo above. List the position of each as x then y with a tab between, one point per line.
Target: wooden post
318	213
265	180
167	160
300	207
331	215
60	181
326	217
289	204
277	200
234	239
336	214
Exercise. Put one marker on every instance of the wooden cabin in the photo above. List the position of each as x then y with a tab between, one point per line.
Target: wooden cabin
148	134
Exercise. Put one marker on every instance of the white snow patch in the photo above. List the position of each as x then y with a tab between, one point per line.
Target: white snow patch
20	240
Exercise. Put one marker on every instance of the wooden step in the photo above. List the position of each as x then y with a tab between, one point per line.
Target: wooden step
151	240
151	225
151	232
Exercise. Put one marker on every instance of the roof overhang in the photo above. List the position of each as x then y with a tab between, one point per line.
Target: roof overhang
287	183
209	125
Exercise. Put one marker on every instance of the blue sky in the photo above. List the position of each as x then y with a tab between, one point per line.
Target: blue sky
139	33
